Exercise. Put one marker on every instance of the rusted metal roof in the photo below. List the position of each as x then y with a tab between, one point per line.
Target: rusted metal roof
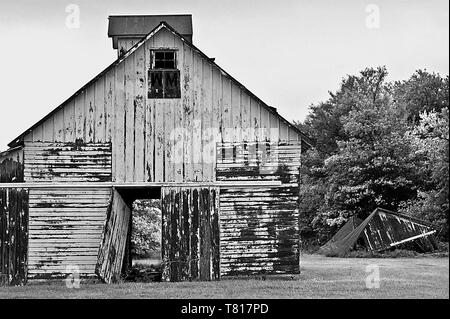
140	25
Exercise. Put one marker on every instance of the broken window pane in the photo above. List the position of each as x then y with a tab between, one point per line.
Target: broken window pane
164	60
164	84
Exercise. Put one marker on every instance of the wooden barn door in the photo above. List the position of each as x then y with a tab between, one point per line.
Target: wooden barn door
112	249
13	236
190	233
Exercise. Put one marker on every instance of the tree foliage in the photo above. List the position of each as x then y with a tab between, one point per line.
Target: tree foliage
377	144
146	228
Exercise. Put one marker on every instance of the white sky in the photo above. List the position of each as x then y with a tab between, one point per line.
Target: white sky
290	53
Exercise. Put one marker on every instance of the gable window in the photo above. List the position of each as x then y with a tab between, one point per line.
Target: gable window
163	75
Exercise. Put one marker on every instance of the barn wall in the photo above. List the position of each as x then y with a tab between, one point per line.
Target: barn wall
157	140
11	166
259	230
13	236
65	230
67	162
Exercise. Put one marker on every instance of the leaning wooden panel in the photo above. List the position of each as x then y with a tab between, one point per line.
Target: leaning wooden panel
112	250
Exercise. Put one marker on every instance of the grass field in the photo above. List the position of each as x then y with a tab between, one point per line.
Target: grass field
321	277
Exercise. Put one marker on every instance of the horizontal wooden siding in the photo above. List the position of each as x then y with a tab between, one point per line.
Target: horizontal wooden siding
65	230
259	226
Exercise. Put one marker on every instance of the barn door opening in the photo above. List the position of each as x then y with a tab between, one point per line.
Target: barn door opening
190	233
116	254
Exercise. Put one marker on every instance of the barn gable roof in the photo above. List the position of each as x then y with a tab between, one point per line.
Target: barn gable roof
20	139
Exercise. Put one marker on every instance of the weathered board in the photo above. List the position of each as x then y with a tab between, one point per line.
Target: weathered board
11	166
163	140
259	231
387	229
13	236
65	230
67	162
190	233
115	234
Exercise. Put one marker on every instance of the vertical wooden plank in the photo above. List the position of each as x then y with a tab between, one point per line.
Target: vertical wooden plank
100	114
255	119
194	251
216	114
12	207
165	231
109	105
130	80
185	234
49	130
59	125
159	142
187	96
169	140
69	121
227	127
38	134
208	152
140	118
149	141
274	128
178	153
197	143
284	134
79	116
205	235
3	232
245	114
149	122
236	112
24	236
90	115
119	155
215	233
175	235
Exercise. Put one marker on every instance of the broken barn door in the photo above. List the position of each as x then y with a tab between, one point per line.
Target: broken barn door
112	249
190	233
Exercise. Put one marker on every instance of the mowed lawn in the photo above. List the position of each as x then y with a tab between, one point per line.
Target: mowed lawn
321	277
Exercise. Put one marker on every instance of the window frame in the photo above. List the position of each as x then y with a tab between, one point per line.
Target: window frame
164	75
163	50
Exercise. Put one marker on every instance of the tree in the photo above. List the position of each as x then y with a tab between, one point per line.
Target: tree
146	228
422	92
376	144
431	140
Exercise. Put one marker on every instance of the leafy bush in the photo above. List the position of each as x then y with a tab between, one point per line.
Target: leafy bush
146	228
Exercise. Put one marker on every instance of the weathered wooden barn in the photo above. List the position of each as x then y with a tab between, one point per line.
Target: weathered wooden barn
162	121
